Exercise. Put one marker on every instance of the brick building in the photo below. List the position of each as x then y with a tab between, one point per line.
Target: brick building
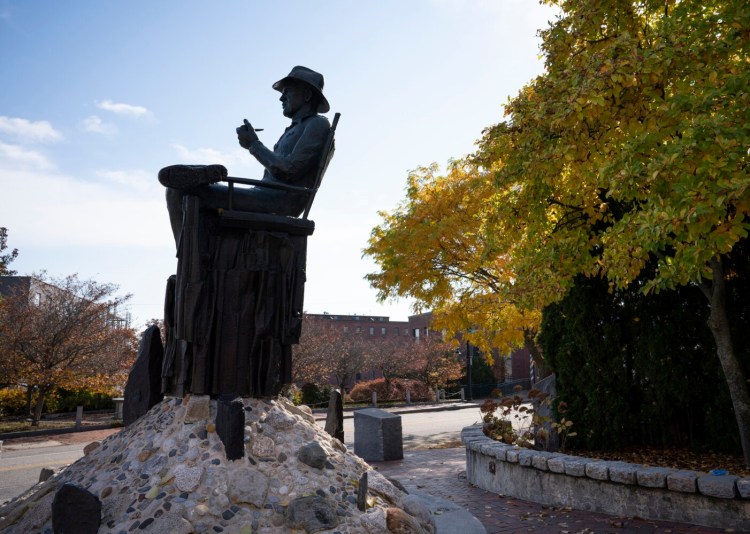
507	368
38	291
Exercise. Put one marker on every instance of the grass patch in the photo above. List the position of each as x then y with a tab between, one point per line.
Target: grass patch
25	426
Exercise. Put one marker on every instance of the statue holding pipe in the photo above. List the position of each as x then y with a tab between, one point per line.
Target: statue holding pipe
234	308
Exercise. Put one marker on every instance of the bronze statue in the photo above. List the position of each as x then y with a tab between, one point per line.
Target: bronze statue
234	309
293	161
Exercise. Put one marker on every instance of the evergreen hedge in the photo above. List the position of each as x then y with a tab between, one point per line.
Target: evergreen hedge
642	370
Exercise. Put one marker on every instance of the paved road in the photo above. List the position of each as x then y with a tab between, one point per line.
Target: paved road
427	430
20	464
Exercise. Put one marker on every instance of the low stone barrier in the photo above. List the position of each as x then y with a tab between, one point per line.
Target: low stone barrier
618	488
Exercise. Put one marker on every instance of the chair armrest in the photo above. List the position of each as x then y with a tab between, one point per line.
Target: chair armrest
271	185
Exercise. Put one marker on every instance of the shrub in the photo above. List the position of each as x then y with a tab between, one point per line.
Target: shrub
312	394
70	399
13	402
636	369
395	391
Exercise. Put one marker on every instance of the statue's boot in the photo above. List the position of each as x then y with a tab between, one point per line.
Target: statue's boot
191	176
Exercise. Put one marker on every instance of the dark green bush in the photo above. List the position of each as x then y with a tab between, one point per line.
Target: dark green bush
70	399
642	370
312	394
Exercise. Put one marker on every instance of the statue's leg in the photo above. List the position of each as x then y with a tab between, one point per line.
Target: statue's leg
174	207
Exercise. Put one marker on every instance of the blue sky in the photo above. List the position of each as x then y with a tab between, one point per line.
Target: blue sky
98	96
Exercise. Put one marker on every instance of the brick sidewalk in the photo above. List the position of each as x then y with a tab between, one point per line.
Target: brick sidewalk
442	473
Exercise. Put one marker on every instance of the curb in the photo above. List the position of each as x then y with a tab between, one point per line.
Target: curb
320	416
404	410
448	516
55	431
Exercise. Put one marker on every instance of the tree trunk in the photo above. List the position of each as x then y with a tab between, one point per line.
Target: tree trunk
529	342
719	325
29	395
39	407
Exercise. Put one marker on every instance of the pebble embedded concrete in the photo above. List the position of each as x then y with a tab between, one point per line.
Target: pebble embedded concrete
167	472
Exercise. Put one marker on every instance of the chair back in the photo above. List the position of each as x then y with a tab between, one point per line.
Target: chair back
328	149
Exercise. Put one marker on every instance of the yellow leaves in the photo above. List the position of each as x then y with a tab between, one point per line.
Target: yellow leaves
629	146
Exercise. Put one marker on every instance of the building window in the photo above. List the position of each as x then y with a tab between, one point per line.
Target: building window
346	329
382	331
372	330
37	299
359	329
395	330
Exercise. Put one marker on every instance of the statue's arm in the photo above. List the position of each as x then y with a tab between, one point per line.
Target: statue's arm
305	154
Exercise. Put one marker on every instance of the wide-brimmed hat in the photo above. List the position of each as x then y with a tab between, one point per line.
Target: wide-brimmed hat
311	78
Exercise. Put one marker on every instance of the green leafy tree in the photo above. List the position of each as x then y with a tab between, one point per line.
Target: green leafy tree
6	259
631	148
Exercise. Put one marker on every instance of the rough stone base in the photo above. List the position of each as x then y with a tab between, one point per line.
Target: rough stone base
169	473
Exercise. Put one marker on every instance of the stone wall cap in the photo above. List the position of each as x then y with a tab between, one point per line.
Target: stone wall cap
653	477
723	487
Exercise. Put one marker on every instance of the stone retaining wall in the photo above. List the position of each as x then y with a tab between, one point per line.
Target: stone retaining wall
618	488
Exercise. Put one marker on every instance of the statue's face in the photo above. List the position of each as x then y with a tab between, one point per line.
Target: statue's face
293	97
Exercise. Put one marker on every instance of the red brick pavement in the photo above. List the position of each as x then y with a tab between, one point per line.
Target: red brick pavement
442	473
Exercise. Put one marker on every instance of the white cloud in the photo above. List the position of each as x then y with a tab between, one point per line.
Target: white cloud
128	110
38	131
140	182
95	124
18	157
50	209
205	156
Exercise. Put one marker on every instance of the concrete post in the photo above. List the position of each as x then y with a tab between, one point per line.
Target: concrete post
79	417
375	399
408	397
119	401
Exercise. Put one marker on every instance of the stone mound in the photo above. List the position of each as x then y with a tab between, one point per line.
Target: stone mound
167	473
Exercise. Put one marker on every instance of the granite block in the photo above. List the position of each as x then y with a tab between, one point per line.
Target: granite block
525	456
684	481
511	456
653	477
723	487
575	466
623	472
598	470
377	435
541	459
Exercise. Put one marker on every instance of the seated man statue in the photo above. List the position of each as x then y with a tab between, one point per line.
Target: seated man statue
293	161
234	309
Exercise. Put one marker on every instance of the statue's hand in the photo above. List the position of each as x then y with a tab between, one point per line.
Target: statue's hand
246	135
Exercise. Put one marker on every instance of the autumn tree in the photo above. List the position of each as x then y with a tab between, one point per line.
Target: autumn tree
64	335
630	150
437	362
327	353
438	248
5	259
311	361
394	357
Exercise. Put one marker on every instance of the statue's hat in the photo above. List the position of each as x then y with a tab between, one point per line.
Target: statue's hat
311	78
